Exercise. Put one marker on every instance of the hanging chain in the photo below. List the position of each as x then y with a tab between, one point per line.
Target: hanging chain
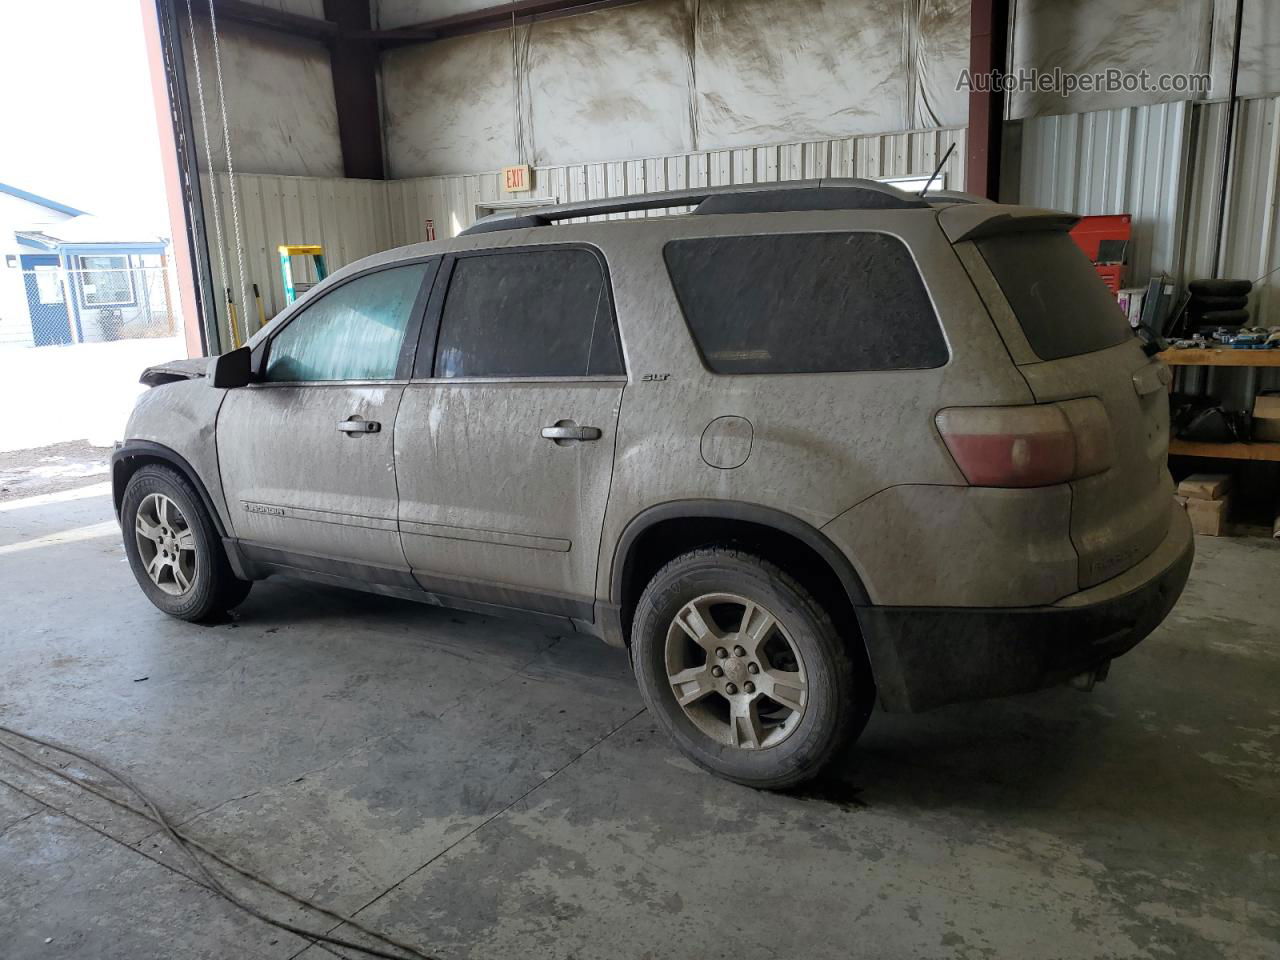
208	153
231	179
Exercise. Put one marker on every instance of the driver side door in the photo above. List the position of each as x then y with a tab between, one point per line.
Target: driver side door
305	454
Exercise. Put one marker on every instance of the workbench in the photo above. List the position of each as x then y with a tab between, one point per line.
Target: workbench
1223	357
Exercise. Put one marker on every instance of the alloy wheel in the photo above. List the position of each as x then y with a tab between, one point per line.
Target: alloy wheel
735	671
166	544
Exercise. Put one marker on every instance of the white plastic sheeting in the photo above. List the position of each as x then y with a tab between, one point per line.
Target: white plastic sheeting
279	100
671	76
1158	36
665	76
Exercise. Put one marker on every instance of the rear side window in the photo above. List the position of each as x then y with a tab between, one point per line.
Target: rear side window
534	313
805	303
1063	306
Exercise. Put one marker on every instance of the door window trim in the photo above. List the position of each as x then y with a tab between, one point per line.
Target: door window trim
425	361
408	348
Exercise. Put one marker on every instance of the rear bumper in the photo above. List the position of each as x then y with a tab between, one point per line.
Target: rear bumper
924	657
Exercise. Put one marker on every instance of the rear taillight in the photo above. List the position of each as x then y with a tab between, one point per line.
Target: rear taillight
1028	446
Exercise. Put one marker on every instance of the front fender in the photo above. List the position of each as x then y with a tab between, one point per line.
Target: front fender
176	423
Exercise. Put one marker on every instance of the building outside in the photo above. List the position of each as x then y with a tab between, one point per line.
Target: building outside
70	277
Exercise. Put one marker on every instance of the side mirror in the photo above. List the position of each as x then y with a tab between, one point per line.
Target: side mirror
232	369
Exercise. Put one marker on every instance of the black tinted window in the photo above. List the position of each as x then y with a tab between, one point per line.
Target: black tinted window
543	313
805	303
1062	304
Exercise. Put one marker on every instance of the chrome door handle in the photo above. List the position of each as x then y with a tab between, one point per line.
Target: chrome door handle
570	431
356	425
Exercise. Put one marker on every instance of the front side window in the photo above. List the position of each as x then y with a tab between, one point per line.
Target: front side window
533	313
106	281
805	303
353	333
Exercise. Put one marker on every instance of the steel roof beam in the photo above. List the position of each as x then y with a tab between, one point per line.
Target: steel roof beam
489	18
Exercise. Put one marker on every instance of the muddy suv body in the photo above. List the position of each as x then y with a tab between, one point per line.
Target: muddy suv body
805	447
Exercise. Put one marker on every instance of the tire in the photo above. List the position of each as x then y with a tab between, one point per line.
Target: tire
1225	318
186	529
777	746
1220	288
1203	304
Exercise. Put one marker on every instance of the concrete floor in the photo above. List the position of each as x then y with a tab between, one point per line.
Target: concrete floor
487	789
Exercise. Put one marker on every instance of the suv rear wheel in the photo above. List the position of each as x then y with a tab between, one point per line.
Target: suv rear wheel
745	670
174	549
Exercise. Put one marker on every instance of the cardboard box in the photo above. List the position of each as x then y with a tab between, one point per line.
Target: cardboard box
1266	419
1205	486
1209	517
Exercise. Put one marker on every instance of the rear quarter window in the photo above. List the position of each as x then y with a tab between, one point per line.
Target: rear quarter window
1061	303
805	303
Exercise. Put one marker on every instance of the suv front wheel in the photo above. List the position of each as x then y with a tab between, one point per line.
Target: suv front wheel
745	669
174	549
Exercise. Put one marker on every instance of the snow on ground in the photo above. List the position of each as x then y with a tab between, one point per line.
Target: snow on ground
48	470
83	391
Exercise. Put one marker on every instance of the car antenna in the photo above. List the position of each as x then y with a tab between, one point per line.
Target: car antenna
938	169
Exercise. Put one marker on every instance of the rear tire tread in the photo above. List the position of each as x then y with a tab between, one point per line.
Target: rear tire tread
844	679
1220	288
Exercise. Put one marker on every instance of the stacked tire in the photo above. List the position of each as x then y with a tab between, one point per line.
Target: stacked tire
1219	303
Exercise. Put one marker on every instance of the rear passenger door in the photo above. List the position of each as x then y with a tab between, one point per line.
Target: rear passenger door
505	437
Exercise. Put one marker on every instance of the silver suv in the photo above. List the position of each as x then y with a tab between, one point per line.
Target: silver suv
803	447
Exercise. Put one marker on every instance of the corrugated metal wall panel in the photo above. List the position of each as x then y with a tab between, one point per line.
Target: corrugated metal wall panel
1252	228
1131	160
1251	249
354	218
451	201
349	218
1162	164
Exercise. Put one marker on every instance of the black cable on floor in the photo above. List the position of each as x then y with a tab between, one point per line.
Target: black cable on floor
190	845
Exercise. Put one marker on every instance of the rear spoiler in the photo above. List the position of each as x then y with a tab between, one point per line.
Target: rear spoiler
970	221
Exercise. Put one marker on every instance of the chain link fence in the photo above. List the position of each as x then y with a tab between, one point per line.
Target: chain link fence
103	299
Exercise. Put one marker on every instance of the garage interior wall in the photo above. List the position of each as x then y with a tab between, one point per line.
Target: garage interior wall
667	77
662	93
354	218
647	96
1156	36
1125	160
279	99
1162	164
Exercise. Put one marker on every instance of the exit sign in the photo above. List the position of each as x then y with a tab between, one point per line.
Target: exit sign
517	179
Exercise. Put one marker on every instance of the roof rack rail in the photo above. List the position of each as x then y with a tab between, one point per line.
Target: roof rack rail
826	194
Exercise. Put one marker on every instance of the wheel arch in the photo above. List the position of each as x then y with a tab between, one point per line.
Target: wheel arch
662	532
133	455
